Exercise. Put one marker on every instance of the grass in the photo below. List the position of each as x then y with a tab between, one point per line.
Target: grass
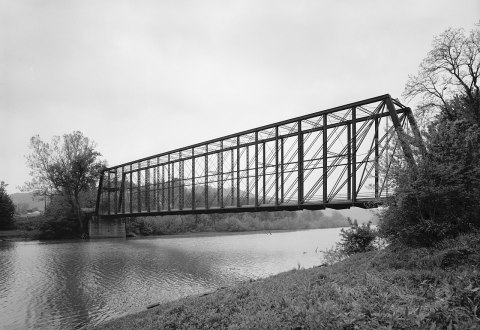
396	288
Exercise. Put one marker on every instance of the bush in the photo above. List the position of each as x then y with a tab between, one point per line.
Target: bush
56	228
356	239
59	221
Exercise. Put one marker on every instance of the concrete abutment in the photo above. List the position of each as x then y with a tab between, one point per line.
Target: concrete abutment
99	227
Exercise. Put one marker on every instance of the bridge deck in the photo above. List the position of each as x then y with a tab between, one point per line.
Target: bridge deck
337	205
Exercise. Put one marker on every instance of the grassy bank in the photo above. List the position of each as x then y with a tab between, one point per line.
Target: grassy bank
394	288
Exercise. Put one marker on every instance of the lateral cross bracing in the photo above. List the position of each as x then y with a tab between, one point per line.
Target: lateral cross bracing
336	158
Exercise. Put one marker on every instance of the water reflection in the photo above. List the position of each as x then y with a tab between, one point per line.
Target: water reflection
73	284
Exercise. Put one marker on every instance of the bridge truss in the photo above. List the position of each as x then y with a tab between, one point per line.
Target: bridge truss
335	158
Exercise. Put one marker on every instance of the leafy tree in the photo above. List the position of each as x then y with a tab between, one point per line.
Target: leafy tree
444	198
7	208
451	68
68	166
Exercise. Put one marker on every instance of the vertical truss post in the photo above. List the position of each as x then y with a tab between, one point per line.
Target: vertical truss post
181	185
264	172
232	179
387	150
115	194
238	171
121	204
154	189
354	154
349	162
407	151
300	163
99	193
282	185
220	176
247	197
206	176
193	179
131	189
376	158
163	186
172	184
157	169
147	186
139	190
109	187
276	166
168	184
325	155
256	168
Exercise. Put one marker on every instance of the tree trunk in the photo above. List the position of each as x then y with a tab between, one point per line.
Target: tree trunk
79	215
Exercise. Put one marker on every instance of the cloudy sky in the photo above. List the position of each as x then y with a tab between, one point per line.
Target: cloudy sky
141	77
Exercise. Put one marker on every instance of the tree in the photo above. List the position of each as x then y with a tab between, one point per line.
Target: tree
451	68
67	166
444	198
7	208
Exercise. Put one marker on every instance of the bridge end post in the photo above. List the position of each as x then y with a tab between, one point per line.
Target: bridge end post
407	150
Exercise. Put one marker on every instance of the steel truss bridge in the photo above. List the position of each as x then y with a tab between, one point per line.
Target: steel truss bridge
336	158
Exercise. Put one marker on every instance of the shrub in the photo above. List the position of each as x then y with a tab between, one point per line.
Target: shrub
61	227
357	238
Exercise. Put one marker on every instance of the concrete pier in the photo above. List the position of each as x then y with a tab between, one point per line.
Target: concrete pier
106	228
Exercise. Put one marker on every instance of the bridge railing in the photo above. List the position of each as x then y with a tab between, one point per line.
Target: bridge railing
333	158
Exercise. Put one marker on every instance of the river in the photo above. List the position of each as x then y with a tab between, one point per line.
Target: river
74	284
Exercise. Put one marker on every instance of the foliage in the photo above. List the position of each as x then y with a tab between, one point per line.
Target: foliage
59	221
395	288
7	208
58	227
452	67
443	198
67	166
356	239
30	225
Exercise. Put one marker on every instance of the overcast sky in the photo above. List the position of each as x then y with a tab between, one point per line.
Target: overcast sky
142	77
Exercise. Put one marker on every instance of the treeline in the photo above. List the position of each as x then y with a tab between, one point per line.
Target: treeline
283	220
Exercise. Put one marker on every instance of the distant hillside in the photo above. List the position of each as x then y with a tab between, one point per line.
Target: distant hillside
27	198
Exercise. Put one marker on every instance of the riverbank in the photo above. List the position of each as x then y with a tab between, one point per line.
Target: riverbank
48	228
394	288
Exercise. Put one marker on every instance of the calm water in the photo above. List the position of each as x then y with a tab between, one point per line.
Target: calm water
71	285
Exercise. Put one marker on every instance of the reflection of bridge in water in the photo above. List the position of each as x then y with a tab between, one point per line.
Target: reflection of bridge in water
336	158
